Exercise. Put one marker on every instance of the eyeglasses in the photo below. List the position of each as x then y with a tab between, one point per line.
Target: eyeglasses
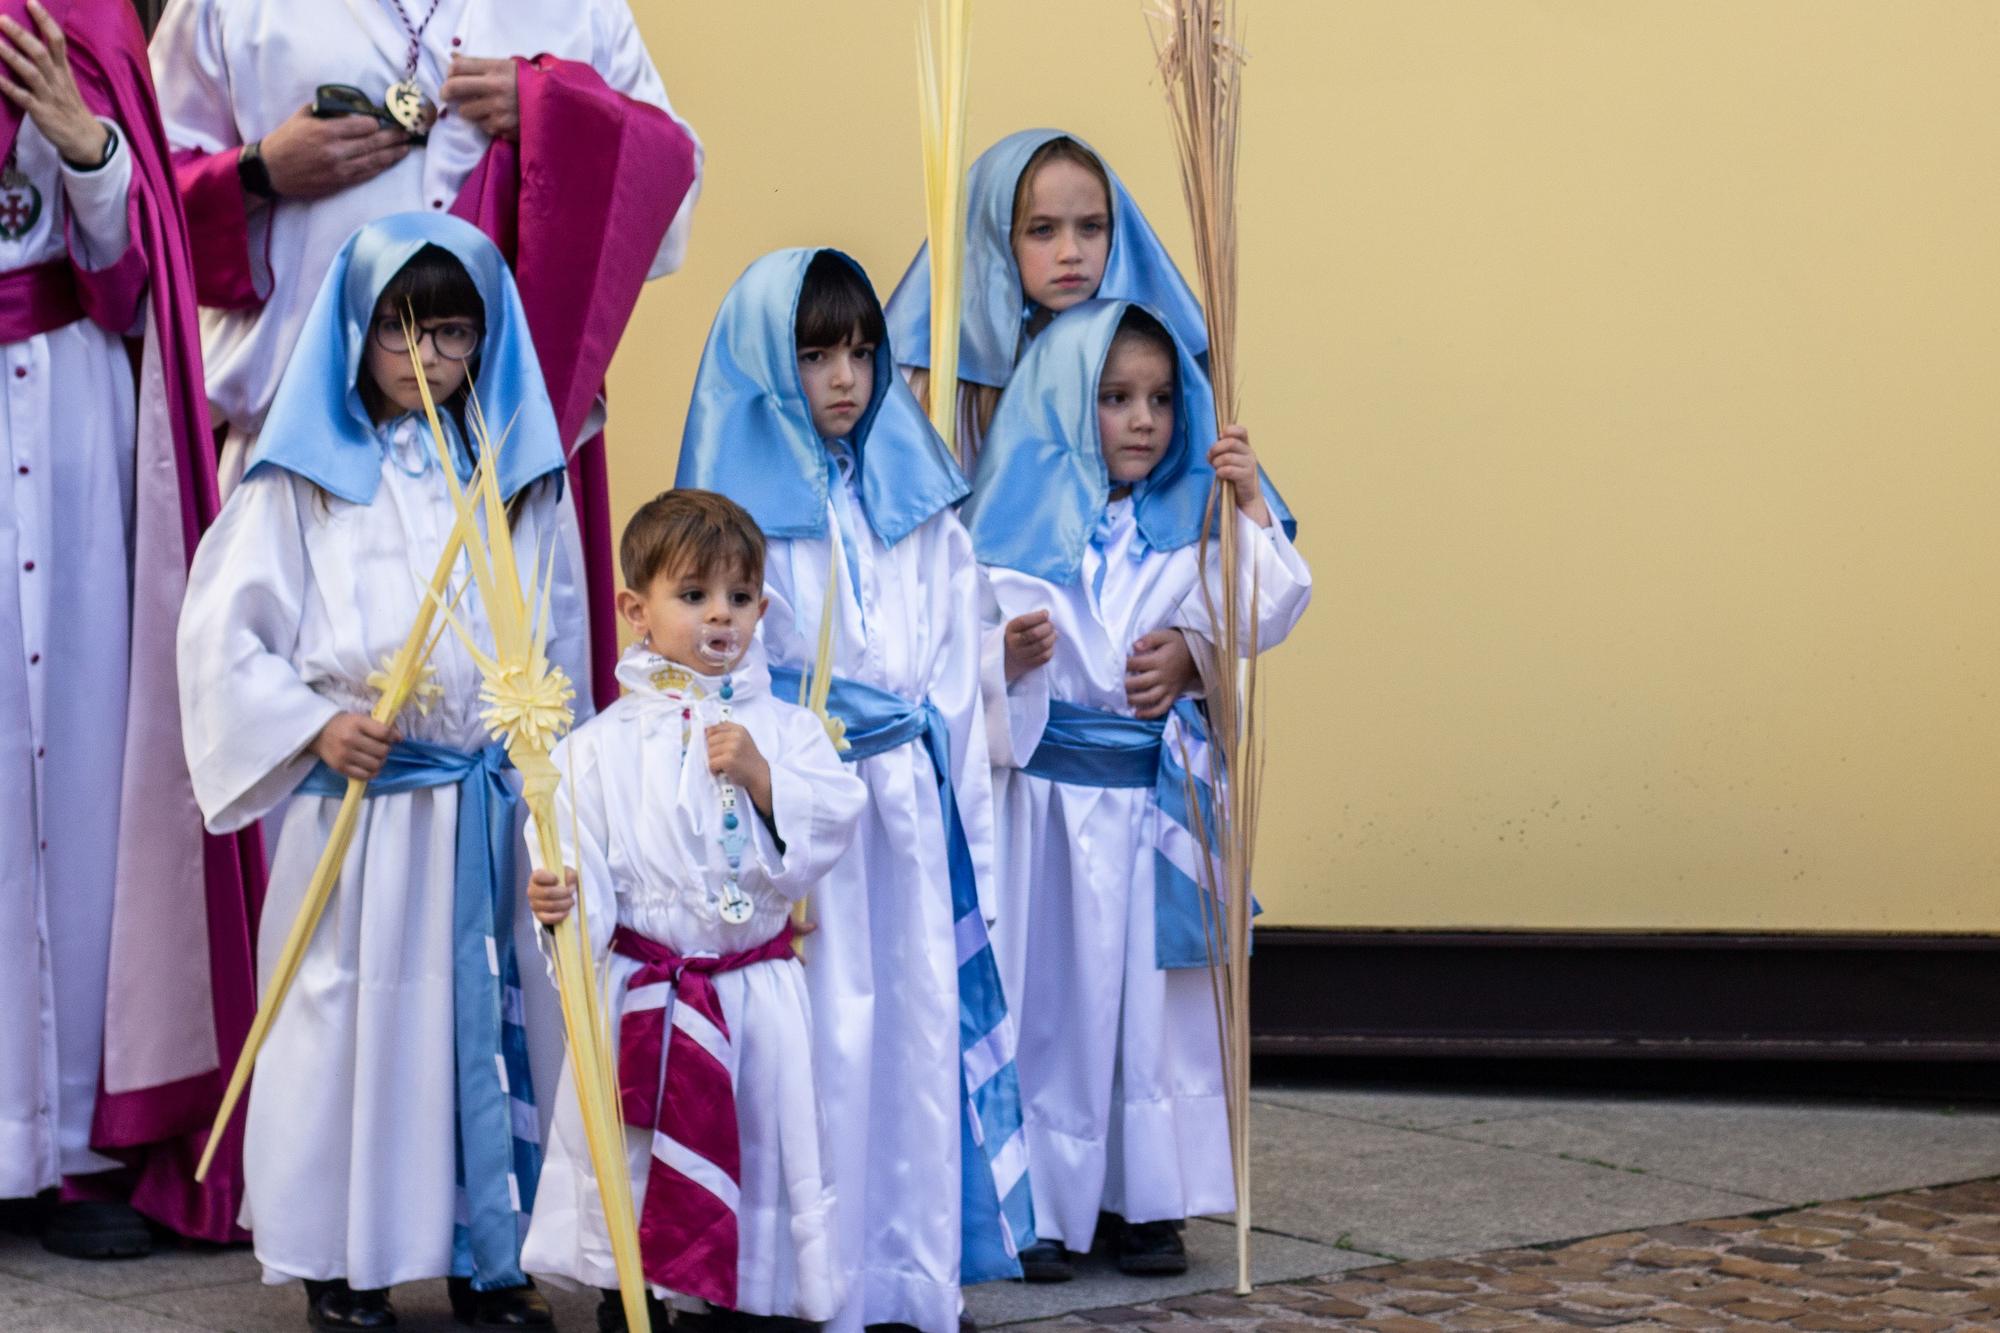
455	340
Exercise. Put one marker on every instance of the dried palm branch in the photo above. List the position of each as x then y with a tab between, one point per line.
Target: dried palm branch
1200	51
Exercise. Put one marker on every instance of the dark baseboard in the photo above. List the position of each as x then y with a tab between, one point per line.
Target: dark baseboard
1625	995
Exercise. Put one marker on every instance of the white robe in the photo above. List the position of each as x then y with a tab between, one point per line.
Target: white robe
646	813
1121	1078
67	429
231	71
884	966
295	598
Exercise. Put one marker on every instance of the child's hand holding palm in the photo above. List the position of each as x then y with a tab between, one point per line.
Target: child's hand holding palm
355	745
549	898
1234	463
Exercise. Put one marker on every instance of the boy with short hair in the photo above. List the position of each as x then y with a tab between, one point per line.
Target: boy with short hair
699	808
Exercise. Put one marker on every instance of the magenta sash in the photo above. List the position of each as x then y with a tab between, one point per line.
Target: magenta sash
38	299
687	1225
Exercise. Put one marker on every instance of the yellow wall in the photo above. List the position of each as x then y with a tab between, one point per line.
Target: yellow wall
1635	368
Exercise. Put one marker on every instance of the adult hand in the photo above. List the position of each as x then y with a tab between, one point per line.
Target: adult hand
549	898
1159	671
355	745
39	81
310	157
486	92
1028	641
1234	462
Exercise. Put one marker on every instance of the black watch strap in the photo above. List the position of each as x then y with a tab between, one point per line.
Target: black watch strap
253	173
103	158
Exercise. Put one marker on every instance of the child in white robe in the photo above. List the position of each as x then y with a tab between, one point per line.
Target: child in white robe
1088	506
798	415
703	806
401	1038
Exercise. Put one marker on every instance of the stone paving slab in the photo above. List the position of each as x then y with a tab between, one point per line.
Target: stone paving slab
1211	1247
1393	1193
1926	1261
166	1269
1785	1152
91	1316
1417	1109
252	1307
17	1295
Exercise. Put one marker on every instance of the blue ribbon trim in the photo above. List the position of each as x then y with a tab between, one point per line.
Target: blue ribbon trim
1090	747
498	1135
997	1215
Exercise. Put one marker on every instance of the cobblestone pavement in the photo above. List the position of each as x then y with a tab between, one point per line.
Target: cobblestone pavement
1926	1260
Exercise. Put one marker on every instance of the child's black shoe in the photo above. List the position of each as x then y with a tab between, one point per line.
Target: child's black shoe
504	1307
611	1313
336	1305
1151	1249
1046	1261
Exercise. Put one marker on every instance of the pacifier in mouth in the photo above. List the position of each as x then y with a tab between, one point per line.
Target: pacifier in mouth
720	647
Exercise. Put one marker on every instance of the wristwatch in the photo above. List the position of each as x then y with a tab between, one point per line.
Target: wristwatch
103	158
253	173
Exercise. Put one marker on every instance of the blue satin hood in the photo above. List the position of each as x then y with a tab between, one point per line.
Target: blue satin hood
750	432
1137	269
1042	483
317	426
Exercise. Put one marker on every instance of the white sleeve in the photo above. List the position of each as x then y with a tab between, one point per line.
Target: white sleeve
816	804
1283	587
626	66
954	688
192	77
246	715
1016	714
583	830
97	204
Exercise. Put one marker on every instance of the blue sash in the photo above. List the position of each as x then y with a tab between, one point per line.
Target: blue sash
499	1137
1088	747
997	1211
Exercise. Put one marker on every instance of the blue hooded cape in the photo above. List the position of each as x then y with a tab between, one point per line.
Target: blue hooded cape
990	333
318	427
750	432
1042	483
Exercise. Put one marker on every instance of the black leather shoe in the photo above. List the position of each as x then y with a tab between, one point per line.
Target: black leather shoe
336	1305
611	1314
503	1307
1046	1261
96	1231
1151	1249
